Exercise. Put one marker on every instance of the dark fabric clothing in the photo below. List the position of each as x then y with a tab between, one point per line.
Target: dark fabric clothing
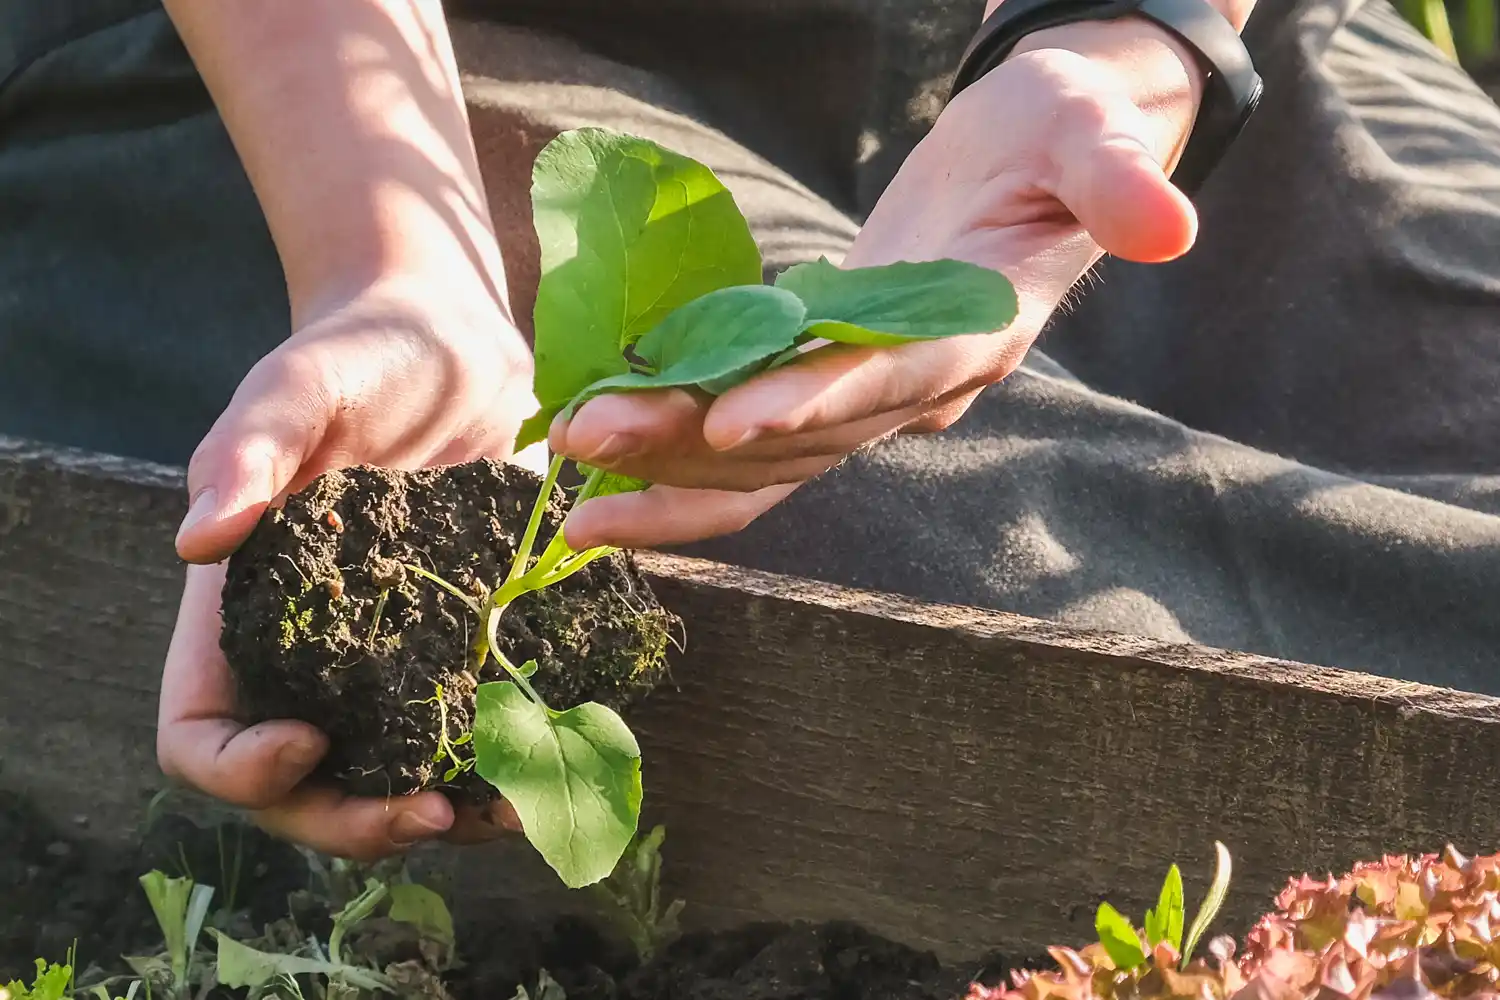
1285	442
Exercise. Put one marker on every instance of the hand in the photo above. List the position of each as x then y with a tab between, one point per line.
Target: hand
387	378
1052	159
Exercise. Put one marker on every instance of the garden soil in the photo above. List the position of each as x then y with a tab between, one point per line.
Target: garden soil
326	620
60	892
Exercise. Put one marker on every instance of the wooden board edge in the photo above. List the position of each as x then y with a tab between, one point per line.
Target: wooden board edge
1342	683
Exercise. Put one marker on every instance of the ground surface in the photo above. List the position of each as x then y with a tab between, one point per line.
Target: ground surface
56	892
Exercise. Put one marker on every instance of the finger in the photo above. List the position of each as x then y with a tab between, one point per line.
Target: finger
664	515
657	436
834	400
275	420
619	426
198	741
1112	182
922	418
364	829
943	416
475	825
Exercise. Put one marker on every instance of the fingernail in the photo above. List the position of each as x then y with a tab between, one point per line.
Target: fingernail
616	447
753	434
411	826
296	759
202	506
503	815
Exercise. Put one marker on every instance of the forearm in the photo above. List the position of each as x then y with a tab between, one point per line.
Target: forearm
350	122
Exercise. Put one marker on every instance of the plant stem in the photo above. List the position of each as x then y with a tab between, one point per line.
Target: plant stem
575	562
534	525
1479	31
375	619
492	632
469	602
557	550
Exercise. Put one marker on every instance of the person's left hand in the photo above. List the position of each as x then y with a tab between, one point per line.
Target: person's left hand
1041	166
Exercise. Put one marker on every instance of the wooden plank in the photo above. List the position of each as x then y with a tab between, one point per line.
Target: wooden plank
955	778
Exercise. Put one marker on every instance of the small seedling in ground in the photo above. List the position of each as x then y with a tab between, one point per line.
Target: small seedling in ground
52	982
650	280
240	965
632	894
1130	949
181	908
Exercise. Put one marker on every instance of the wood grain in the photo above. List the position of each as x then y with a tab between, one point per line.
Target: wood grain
958	779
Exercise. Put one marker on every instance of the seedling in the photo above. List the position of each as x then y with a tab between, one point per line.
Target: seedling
239	965
633	893
52	982
651	279
181	908
1130	949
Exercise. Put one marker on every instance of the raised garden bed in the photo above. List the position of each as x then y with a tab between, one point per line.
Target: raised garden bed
859	789
986	803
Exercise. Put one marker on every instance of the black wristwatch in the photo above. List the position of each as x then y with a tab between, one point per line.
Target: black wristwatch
1231	90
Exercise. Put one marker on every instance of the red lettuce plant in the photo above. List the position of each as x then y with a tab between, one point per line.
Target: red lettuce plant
1401	928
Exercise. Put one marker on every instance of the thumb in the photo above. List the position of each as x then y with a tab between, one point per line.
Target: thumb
276	419
1117	190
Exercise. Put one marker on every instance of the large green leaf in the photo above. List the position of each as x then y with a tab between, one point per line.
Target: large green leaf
574	777
901	302
724	335
628	232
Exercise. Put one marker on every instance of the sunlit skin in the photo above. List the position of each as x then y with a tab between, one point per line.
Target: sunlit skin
350	121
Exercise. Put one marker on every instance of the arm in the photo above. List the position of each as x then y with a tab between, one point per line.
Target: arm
349	120
1055	157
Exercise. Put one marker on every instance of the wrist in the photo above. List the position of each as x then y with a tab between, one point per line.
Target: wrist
1158	71
401	247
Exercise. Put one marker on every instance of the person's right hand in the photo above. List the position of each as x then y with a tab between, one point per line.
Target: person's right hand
395	376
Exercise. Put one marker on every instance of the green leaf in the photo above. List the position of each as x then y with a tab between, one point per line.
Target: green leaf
1212	901
52	982
574	777
720	335
633	891
901	302
1119	939
181	907
1164	923
612	482
425	910
536	427
240	966
628	232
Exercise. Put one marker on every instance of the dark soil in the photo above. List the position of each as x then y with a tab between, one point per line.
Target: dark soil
55	891
58	891
323	623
